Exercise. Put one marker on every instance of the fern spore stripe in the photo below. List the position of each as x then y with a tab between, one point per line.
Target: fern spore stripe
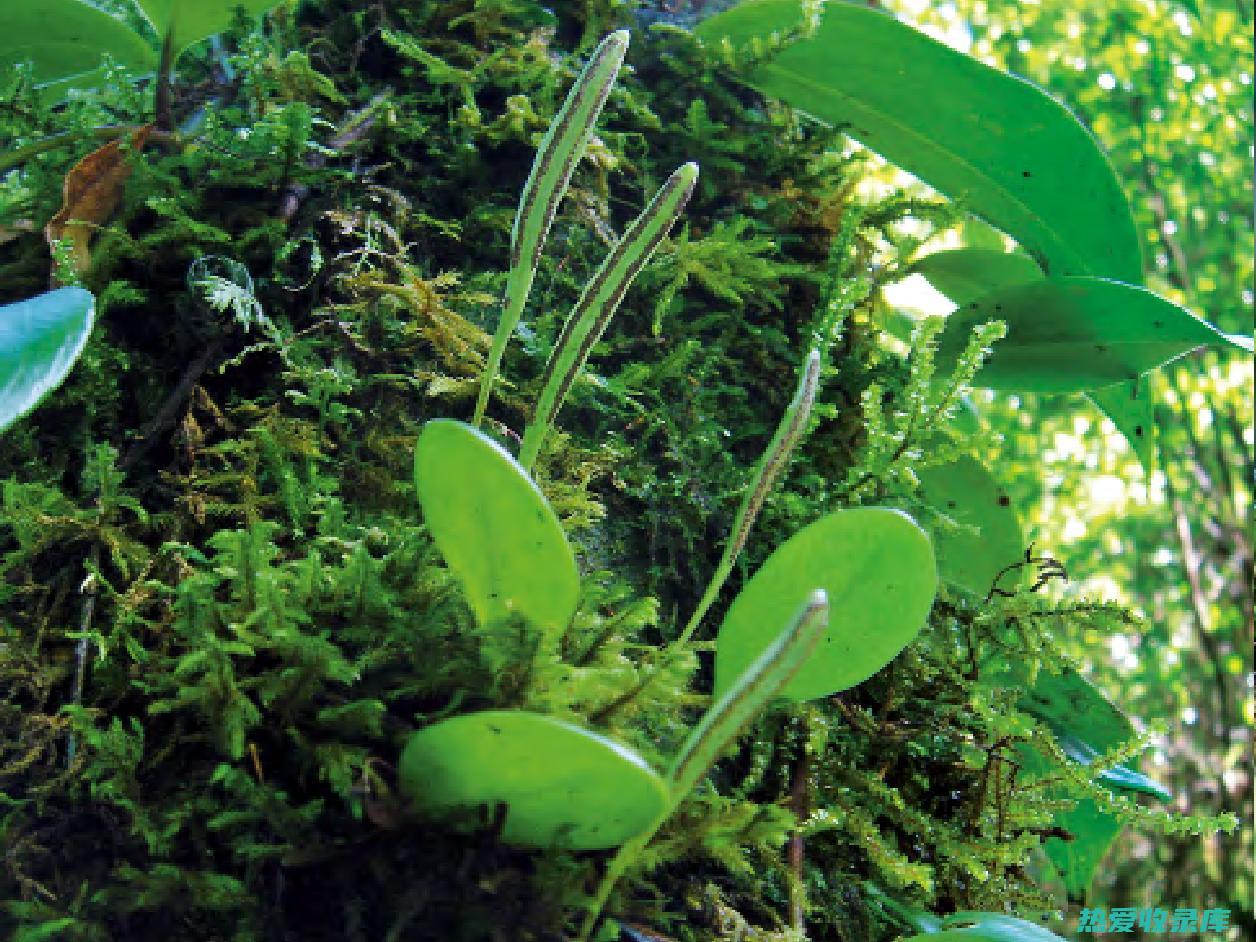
756	686
600	298
561	149
788	433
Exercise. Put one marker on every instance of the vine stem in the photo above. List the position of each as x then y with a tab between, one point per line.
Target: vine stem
107	133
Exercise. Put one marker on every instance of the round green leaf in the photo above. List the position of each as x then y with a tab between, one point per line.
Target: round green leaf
970	496
40	340
494	528
1073	334
987	927
877	567
562	786
66	40
195	20
964	275
991	141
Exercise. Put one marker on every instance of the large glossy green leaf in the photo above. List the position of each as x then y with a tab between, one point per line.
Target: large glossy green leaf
66	40
494	528
40	340
964	275
986	927
968	494
917	919
1076	333
993	142
877	567
194	20
560	785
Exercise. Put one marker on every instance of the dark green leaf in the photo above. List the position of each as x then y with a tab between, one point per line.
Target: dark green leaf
877	567
494	528
40	340
1119	776
968	493
1084	724
993	142
1077	333
964	275
562	786
1091	835
1131	407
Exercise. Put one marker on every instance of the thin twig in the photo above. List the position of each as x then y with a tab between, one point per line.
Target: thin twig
83	648
359	124
165	416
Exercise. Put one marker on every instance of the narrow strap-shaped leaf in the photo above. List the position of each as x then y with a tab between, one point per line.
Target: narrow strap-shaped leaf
1076	334
561	149
600	298
754	688
788	433
993	142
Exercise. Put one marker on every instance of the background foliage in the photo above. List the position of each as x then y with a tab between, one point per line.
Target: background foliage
1167	89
